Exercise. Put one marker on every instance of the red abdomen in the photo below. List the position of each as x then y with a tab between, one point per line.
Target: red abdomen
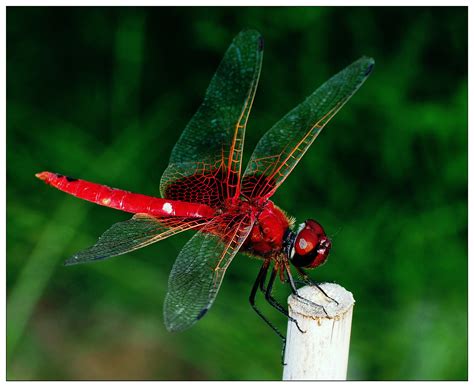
124	200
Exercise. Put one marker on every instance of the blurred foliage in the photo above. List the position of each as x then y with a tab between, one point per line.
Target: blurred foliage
103	94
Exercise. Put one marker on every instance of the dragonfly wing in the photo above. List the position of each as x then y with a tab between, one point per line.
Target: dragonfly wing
133	234
282	147
205	163
199	269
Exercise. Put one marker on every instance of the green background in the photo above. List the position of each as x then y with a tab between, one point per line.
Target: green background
103	94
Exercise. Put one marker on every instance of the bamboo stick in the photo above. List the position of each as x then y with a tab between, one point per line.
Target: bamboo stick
322	352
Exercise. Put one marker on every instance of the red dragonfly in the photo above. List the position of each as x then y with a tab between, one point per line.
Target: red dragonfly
203	188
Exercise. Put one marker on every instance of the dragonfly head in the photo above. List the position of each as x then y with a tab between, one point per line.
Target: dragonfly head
310	245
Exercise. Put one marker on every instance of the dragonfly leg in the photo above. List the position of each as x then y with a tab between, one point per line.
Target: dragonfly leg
274	303
296	281
307	279
296	294
262	274
262	282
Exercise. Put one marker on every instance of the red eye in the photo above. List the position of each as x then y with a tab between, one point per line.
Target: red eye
305	242
311	246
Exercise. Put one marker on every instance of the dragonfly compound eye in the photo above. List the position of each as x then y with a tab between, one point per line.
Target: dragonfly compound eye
311	246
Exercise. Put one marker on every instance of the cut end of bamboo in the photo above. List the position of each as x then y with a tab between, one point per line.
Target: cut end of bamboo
318	347
328	307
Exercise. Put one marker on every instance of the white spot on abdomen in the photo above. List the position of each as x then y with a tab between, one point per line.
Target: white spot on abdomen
168	208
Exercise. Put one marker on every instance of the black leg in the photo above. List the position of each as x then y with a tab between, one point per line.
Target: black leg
274	303
262	274
295	291
259	283
309	281
291	281
296	281
262	282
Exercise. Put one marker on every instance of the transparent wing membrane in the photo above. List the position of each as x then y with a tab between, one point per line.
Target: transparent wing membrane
205	164
140	231
282	147
200	267
205	185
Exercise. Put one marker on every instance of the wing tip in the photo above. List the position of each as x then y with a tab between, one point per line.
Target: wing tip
77	259
172	326
369	69
179	326
201	314
261	43
71	261
369	63
253	34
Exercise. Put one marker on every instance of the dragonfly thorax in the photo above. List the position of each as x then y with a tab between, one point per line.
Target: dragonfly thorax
268	232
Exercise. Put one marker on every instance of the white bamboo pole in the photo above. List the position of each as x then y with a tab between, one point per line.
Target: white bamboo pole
322	352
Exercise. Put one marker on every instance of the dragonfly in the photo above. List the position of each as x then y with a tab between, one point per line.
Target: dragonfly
205	188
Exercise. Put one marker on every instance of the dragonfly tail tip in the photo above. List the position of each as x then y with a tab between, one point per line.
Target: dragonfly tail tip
42	175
